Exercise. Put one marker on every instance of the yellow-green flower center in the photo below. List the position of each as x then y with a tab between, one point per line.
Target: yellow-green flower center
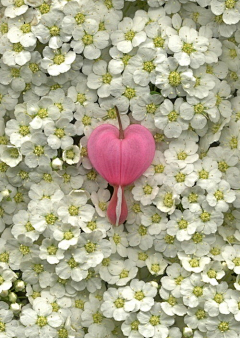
26	28
81	98
4	257
197	238
148	66
200	314
179	280
73	210
41	321
158	42
218	298
124	273
223	326
80	18
119	302
183	224
199	108
86	120
139	295
172	116
136	208
91	175
79	304
236	261
215	251
180	177
59	132
52	250
169	239
107	78
116	239
154	320
174	78
90	247
151	108
159	168
142	256
182	155
198	291
134	325
24	130
203	174
172	300
2	326
219	195
87	39
233	142
230	4
192	198
68	235
17	47
147	189
129	93
142	230
194	262
4	28
72	263
205	216
38	268
92	225
63	333
58	59
15	72
155	268
156	218
14	153
97	318
223	166
168	200
232	53
24	249
188	48
129	35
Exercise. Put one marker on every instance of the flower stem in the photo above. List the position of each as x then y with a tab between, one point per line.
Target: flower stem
121	132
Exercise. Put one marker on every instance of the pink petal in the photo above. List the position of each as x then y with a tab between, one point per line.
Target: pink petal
113	209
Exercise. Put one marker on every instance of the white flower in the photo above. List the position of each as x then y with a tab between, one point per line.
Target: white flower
192	263
230	55
57	61
114	305
138	234
66	236
193	290
223	326
103	80
182	225
220	195
40	318
188	47
172	305
181	152
7	276
156	264
74	210
89	40
50	251
217	299
175	275
79	92
129	34
229	10
10	155
22	32
91	249
123	271
208	172
231	254
139	296
197	111
69	268
130	326
16	54
71	154
155	220
118	240
145	190
172	79
143	65
155	322
169	118
192	198
59	133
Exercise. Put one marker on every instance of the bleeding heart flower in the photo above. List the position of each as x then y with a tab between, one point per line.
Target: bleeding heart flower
120	157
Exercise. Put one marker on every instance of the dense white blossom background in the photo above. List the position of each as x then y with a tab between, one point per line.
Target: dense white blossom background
172	270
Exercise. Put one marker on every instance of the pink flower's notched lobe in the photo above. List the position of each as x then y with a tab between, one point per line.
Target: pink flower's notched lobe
120	157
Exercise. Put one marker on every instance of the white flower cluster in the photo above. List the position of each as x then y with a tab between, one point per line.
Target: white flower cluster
172	270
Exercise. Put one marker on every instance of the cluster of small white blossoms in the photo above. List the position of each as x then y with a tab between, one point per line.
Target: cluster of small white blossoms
172	270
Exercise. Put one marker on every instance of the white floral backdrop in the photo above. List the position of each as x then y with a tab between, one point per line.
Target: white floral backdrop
172	270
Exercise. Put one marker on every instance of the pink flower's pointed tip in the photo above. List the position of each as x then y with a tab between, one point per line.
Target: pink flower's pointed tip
117	209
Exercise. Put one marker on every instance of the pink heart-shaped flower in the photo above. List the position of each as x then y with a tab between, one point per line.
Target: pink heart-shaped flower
120	160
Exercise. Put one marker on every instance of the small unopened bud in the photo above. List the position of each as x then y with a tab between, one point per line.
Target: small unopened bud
19	285
12	297
15	307
153	283
5	193
57	163
4	293
187	332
